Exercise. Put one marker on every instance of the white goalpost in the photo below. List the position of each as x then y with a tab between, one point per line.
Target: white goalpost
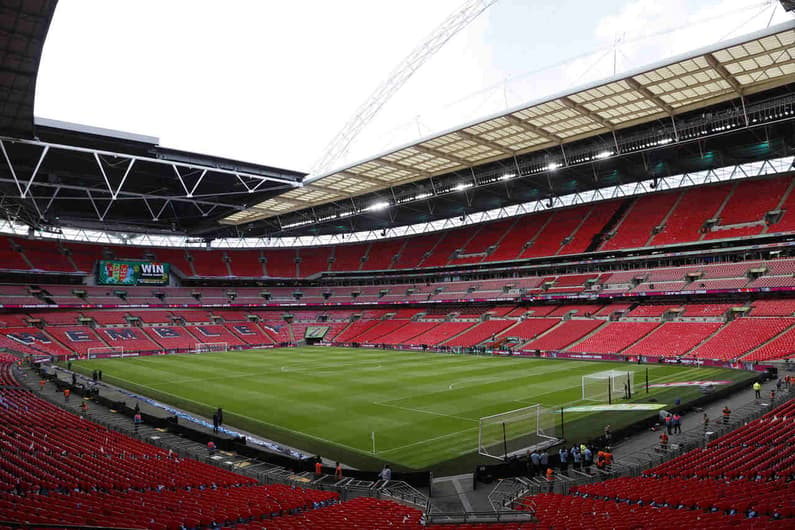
516	431
203	347
104	350
608	385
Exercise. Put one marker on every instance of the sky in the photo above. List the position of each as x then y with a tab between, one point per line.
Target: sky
274	82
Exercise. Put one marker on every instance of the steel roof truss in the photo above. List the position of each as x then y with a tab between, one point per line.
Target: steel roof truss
100	216
529	127
485	143
189	194
650	96
23	193
567	101
114	193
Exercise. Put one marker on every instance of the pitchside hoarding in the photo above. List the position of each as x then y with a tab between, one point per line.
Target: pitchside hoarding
132	273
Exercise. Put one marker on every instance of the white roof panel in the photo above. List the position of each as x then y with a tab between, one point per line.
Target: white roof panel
743	66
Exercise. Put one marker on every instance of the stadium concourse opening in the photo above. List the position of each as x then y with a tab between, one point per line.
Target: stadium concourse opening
593	269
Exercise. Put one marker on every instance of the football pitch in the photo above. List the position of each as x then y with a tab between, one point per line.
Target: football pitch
424	408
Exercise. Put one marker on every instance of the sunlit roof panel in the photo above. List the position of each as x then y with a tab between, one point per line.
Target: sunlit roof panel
685	83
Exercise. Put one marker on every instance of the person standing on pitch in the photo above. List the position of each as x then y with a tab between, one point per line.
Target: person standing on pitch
757	390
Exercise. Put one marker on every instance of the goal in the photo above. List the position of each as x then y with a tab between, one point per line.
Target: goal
92	353
516	431
202	347
608	385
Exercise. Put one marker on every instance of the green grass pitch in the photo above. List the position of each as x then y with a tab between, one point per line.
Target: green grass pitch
423	407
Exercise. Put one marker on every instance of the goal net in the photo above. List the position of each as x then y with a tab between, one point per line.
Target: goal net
92	353
517	431
202	347
601	386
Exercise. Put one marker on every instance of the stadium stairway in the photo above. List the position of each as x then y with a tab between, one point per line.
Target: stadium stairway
587	335
783	332
612	224
540	335
706	340
457	335
640	339
667	216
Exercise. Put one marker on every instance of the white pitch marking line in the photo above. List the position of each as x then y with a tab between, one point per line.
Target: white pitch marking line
426	412
426	440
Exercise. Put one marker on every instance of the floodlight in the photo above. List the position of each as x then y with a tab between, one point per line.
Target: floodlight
382	205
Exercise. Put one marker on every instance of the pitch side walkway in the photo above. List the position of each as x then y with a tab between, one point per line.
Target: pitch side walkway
124	424
742	404
453	494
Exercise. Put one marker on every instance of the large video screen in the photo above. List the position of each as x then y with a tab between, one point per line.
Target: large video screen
132	273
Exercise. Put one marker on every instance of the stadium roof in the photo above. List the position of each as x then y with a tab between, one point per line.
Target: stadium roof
728	70
23	28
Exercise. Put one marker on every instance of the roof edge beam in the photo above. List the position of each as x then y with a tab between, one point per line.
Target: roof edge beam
400	167
534	129
724	74
441	154
485	143
570	103
369	180
651	96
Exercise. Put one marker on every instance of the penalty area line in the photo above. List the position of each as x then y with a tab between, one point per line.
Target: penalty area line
425	441
384	404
